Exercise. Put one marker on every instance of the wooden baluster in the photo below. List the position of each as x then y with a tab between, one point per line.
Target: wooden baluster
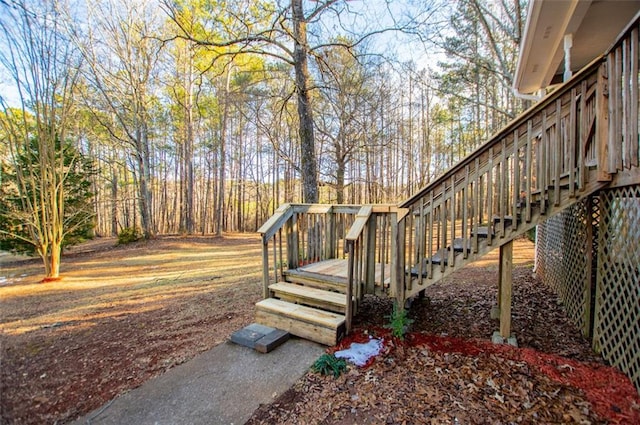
633	111
558	153
477	212
543	164
452	222
442	243
602	118
583	138
430	237
490	198
516	186
572	144
528	170
503	183
465	213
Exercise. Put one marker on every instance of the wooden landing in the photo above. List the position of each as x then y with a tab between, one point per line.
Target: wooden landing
338	268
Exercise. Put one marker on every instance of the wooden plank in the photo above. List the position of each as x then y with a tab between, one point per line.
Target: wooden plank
490	197
304	330
442	243
370	257
282	214
528	169
615	143
452	221
309	315
626	107
558	153
543	164
502	186
430	235
476	207
359	223
265	270
572	144
349	293
633	113
315	297
465	212
505	287
582	141
602	123
394	258
517	187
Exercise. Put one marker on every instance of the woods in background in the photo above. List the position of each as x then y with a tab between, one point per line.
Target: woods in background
203	117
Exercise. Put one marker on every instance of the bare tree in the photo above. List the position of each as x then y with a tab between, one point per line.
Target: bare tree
43	67
121	49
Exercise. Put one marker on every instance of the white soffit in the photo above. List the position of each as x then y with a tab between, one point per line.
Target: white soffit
541	49
595	24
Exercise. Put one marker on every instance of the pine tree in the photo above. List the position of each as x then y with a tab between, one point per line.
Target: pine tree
16	225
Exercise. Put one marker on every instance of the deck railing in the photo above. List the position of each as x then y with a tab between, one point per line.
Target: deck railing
557	152
373	252
300	234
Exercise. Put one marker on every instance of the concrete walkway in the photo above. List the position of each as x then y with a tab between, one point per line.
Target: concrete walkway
221	386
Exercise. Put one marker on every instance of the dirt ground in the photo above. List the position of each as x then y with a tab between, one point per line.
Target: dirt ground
120	316
124	314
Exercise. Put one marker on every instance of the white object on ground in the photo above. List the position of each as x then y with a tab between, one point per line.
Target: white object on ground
359	354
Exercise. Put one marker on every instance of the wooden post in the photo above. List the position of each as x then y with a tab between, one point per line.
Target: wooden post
505	286
587	320
349	295
331	248
265	269
394	247
370	256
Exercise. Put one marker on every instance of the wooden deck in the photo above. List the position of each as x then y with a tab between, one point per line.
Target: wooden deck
339	268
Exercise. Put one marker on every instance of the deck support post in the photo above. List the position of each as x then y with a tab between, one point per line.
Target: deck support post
397	259
505	287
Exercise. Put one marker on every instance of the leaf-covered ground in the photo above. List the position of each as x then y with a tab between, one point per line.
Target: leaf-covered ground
123	315
447	372
120	316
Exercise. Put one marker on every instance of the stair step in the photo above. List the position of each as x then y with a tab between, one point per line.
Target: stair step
306	322
316	280
508	220
458	245
483	232
439	257
314	297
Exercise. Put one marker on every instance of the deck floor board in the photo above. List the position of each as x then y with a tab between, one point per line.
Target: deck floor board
339	268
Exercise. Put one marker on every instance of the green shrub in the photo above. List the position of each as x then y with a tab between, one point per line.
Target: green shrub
328	364
399	322
128	235
531	234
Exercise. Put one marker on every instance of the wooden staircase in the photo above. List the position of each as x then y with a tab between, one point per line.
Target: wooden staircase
552	156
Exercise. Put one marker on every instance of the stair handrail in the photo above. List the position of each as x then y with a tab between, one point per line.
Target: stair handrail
555	149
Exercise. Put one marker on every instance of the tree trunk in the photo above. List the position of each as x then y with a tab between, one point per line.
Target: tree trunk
222	172
308	164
